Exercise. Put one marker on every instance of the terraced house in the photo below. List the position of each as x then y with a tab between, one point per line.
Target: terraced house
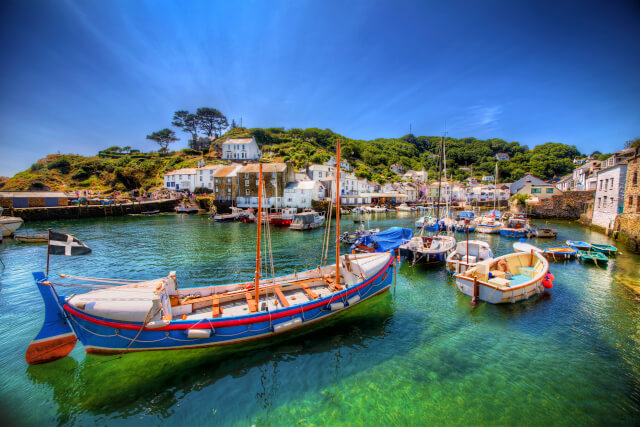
276	176
225	181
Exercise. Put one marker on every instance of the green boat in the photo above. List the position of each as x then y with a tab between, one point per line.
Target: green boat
605	249
592	257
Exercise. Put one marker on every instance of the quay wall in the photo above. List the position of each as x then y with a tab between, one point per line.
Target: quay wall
91	211
627	230
568	205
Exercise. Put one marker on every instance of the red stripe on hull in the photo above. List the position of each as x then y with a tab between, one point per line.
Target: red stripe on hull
50	350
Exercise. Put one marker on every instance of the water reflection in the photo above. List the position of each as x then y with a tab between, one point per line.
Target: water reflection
154	383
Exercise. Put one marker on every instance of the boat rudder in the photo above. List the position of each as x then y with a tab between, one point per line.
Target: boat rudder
56	339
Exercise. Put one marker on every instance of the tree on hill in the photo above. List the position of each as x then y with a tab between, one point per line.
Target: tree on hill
634	143
189	123
211	121
163	137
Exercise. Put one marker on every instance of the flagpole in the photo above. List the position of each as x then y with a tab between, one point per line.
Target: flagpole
48	248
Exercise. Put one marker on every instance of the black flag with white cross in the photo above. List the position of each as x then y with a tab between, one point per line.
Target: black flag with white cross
66	244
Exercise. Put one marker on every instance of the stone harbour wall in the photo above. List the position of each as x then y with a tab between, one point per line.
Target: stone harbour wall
568	205
91	211
627	230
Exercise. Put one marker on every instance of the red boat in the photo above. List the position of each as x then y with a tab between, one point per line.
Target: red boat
283	218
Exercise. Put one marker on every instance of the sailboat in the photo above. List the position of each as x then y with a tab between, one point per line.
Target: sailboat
430	249
490	223
118	315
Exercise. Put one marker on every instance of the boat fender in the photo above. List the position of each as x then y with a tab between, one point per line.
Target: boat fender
336	306
198	333
281	327
354	299
155	324
547	282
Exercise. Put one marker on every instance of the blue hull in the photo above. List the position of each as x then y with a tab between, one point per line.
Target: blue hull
512	232
107	336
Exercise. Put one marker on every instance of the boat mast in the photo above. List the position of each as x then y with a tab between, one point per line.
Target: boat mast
257	282
338	216
495	190
439	178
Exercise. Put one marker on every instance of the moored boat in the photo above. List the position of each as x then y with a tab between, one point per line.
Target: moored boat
543	232
427	249
576	244
489	224
509	278
523	246
32	238
307	221
467	254
605	249
9	224
184	209
384	241
235	215
351	238
284	217
592	257
560	253
515	227
405	208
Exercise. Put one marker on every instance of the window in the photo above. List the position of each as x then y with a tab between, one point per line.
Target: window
246	182
600	183
216	189
246	192
604	201
228	190
216	180
536	190
634	180
637	204
200	178
228	180
630	200
550	190
257	182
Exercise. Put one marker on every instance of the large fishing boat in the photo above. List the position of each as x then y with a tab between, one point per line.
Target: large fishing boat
120	316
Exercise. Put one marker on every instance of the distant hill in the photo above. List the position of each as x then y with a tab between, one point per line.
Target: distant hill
126	169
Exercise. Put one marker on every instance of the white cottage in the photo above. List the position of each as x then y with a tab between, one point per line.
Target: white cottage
240	149
299	194
609	199
181	179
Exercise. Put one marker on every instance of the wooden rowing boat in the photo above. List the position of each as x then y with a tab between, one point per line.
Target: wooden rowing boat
31	238
592	257
605	249
519	279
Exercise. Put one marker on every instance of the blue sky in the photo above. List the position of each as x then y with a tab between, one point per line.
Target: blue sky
79	76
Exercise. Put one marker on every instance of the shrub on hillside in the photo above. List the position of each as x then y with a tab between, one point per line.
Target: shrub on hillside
61	165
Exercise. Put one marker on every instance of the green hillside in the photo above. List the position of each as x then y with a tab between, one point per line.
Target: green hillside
126	169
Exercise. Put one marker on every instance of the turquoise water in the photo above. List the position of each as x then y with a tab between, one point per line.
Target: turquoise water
419	355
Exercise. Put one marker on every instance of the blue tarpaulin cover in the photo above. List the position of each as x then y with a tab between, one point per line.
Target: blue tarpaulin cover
466	214
385	240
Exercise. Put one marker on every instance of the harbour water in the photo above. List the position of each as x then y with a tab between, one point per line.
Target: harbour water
417	355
